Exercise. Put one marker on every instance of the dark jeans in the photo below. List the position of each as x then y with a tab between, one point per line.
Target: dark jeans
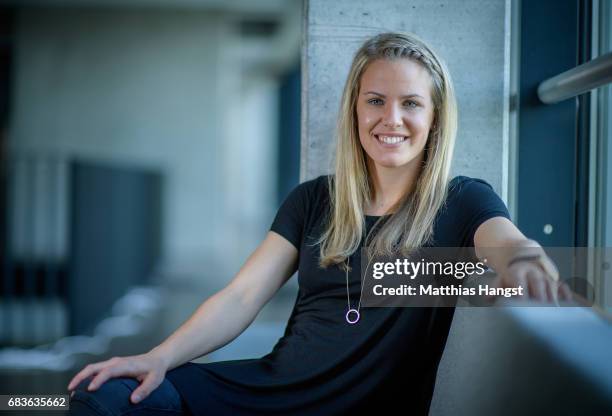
113	399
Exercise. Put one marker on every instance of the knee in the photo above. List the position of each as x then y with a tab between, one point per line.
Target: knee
105	400
113	397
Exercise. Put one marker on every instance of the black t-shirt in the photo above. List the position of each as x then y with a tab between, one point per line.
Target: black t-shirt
322	365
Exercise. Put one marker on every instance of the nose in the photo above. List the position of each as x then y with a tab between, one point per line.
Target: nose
392	116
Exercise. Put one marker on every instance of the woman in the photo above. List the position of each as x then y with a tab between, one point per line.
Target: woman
396	133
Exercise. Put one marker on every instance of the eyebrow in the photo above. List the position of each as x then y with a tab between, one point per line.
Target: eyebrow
403	96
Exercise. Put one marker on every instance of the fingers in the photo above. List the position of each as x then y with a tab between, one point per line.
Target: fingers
115	367
104	375
536	286
558	291
565	293
519	280
149	384
551	291
101	372
545	289
89	370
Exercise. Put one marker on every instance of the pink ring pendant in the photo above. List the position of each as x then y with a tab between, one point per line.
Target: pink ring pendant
348	319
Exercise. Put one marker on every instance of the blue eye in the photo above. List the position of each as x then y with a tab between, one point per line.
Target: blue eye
409	104
375	101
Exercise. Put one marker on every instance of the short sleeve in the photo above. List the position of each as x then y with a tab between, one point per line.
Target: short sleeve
291	216
477	202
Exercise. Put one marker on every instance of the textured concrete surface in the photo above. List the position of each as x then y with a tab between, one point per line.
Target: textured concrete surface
470	35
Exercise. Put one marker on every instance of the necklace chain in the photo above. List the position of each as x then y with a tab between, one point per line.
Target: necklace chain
348	298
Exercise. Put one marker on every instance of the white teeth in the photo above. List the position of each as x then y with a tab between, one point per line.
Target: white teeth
391	139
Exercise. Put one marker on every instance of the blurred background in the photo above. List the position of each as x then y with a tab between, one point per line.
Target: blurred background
146	146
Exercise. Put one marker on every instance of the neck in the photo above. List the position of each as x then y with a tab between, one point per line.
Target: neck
390	185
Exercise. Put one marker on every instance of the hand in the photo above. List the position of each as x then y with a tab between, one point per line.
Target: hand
148	368
536	283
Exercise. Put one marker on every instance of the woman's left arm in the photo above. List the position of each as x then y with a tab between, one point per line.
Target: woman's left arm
518	261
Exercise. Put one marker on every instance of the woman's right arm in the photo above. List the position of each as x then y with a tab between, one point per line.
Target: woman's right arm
226	314
218	321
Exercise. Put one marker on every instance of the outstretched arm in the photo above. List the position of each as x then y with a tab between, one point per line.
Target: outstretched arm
518	261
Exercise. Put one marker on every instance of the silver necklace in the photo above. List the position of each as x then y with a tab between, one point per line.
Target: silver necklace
348	298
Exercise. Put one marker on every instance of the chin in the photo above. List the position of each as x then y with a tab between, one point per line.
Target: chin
392	163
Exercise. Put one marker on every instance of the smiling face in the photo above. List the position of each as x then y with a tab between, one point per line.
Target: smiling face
394	112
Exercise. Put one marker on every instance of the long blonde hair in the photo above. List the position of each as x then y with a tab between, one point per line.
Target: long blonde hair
350	189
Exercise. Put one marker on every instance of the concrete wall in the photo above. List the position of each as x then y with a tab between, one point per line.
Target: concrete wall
473	36
470	35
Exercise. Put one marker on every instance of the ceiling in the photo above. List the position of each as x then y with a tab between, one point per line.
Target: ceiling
230	6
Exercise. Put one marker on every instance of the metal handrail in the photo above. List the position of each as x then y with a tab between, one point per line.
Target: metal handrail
576	81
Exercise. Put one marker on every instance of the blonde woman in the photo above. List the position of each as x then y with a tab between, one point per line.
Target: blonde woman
395	139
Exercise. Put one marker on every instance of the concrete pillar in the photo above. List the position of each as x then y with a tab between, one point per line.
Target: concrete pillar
471	35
